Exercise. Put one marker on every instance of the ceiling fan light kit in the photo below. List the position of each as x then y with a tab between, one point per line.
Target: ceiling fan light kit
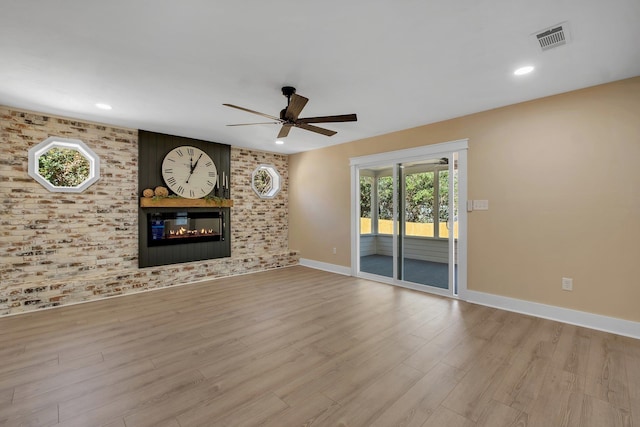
289	116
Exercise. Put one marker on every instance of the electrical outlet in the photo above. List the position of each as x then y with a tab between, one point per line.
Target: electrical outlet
334	251
567	283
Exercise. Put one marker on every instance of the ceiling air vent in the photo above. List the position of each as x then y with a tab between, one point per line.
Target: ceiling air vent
553	36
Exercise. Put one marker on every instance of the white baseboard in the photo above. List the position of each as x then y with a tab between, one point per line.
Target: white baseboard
614	325
325	266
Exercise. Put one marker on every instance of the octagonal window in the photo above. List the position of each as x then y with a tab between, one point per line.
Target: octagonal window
265	181
64	165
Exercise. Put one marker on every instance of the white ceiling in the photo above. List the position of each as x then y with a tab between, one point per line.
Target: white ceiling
168	66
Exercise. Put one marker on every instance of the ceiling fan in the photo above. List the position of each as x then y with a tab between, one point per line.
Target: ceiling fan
289	116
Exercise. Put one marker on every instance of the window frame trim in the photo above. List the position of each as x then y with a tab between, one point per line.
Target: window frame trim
56	142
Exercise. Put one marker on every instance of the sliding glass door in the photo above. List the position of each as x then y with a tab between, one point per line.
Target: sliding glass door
428	223
408	221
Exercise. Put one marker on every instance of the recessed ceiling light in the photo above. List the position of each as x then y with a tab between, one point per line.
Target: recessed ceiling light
279	142
103	106
523	70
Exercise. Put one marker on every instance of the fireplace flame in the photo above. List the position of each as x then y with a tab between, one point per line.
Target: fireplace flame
183	232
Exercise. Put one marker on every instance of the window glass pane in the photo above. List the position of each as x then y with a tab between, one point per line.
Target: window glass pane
366	185
443	211
262	181
385	205
419	204
64	167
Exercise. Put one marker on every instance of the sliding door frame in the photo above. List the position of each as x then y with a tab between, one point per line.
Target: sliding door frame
405	156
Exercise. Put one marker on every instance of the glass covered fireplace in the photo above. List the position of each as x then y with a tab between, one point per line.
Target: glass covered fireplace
174	228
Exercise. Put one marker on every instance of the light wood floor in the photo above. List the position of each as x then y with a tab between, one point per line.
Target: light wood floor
295	347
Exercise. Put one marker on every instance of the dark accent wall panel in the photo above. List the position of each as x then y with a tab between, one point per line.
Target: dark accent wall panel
152	147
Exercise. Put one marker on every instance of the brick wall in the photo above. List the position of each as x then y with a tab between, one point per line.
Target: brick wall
61	248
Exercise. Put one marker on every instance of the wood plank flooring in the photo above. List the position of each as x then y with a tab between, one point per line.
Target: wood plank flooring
301	347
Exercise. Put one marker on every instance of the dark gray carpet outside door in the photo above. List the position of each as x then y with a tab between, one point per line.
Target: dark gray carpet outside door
415	271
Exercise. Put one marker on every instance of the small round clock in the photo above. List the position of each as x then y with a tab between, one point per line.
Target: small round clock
189	172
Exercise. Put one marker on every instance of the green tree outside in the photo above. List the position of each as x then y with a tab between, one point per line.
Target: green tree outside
419	200
366	184
385	197
64	167
419	196
262	181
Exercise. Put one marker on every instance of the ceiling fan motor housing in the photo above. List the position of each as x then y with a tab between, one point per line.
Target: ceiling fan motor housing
288	91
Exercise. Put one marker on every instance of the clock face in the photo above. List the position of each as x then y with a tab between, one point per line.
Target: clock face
189	172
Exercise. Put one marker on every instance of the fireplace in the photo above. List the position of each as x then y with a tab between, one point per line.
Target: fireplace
170	235
175	228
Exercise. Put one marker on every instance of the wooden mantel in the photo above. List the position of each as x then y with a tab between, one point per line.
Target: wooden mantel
181	202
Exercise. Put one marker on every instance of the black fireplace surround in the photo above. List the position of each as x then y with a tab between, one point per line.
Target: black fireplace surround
182	233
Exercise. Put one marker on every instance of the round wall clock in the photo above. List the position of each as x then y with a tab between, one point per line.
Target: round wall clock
189	172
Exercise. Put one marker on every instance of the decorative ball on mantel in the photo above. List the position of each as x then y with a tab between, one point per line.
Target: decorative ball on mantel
148	193
161	191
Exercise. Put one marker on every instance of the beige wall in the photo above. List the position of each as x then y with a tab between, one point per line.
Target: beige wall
550	168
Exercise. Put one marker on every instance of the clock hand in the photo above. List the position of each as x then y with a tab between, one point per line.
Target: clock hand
193	167
196	163
190	169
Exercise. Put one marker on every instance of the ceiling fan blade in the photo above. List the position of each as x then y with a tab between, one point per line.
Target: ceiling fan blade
315	129
296	104
249	124
327	119
284	131
254	112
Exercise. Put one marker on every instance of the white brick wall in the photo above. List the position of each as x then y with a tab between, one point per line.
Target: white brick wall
60	248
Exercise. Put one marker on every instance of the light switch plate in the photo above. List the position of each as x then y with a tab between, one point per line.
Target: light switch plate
480	205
